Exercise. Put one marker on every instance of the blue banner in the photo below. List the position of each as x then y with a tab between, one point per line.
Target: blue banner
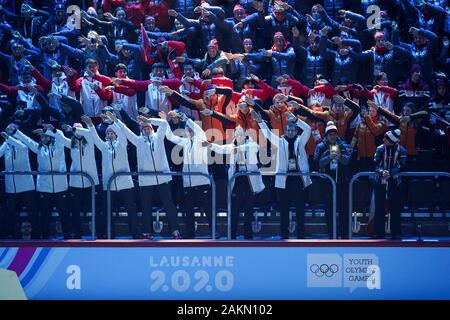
227	272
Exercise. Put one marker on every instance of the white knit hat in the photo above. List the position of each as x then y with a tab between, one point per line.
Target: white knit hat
331	127
393	135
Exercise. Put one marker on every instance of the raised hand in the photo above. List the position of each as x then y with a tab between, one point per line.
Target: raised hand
295	32
87	120
172	114
173	13
206	73
206	112
66	128
258	6
239	25
324	31
111	116
291	117
254	77
38	132
256	116
162	115
141	119
165	89
48	127
206	82
206	144
293	104
68	71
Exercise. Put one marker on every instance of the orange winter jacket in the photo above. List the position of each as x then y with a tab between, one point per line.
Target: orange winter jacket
408	129
365	134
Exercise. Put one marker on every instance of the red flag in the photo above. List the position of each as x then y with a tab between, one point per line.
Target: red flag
146	49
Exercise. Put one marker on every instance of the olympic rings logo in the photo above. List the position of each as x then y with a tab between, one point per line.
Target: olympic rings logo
324	270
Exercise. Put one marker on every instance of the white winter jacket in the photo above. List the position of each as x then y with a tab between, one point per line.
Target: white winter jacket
195	156
151	153
283	152
16	159
83	157
249	150
50	158
114	159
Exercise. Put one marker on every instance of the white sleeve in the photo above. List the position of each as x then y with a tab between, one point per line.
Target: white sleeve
273	138
131	136
162	127
197	129
121	137
173	138
97	141
304	137
16	143
2	149
61	138
31	144
222	149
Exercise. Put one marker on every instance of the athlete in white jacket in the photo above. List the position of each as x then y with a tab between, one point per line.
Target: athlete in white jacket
82	153
290	157
114	160
52	188
243	153
151	157
195	159
19	189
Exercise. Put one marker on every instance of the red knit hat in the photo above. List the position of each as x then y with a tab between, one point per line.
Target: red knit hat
145	125
213	43
110	128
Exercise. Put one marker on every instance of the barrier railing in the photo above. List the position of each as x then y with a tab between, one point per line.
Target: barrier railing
371	174
75	173
287	174
157	173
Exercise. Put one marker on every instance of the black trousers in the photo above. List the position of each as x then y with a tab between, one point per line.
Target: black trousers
394	202
127	198
202	194
14	202
80	201
47	202
242	198
293	194
165	193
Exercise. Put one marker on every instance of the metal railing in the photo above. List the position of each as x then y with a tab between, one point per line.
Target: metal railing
75	173
371	174
157	173
287	174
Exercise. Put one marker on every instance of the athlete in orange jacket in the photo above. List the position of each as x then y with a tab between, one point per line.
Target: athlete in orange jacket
408	124
215	99
365	138
341	117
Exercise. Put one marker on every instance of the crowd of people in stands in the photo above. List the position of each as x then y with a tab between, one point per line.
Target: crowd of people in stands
216	87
